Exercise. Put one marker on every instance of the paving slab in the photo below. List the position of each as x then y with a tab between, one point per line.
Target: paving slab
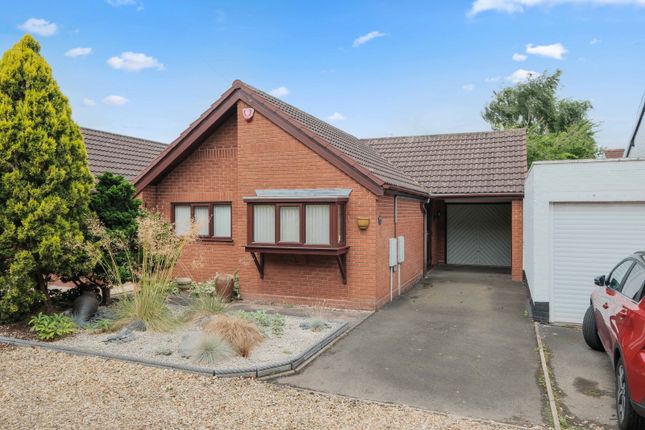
584	377
460	342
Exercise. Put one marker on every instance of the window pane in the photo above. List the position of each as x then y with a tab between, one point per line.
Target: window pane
317	224
264	223
201	219
182	219
634	282
617	275
222	220
290	224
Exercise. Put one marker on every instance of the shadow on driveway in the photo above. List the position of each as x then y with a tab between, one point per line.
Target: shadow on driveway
460	343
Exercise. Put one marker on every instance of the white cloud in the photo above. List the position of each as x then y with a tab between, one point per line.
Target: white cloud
134	62
39	26
555	50
594	41
280	92
468	87
518	6
78	52
492	79
89	102
336	116
519	57
367	37
115	100
522	75
118	3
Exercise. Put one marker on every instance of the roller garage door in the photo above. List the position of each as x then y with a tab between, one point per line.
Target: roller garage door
478	234
589	239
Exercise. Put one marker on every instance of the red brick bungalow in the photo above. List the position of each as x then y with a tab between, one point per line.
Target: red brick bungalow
280	194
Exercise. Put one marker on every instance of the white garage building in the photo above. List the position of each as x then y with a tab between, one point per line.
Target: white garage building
580	218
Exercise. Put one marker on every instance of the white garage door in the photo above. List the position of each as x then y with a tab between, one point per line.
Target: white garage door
479	234
589	239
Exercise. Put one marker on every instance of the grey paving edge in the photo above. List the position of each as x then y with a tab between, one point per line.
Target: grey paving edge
249	372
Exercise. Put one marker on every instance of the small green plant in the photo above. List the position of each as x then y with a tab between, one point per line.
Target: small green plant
50	327
210	349
236	287
265	320
277	325
317	325
163	350
206	301
99	326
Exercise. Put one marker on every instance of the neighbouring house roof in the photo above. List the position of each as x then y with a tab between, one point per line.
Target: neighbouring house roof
122	155
492	162
613	153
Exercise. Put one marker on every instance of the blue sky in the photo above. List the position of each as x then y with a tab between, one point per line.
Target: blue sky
372	68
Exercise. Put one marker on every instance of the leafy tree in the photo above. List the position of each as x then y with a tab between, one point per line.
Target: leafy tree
556	128
117	209
45	182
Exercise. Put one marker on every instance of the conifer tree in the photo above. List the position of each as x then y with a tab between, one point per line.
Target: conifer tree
45	182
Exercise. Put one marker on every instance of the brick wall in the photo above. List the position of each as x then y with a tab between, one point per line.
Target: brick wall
438	233
409	223
516	240
241	157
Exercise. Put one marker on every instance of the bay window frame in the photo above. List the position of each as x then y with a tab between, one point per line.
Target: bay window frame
334	206
211	218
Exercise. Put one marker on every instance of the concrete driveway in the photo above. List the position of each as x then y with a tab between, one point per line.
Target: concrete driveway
584	377
460	343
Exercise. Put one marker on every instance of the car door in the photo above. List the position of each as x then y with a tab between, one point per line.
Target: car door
626	308
607	303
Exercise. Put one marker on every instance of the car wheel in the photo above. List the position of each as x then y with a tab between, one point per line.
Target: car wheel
628	419
589	330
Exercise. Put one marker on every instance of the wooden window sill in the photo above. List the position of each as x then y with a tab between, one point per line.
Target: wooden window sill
214	240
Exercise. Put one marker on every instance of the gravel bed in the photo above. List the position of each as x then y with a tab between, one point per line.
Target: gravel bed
51	390
148	344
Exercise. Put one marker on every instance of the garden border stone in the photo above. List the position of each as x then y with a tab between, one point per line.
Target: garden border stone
279	367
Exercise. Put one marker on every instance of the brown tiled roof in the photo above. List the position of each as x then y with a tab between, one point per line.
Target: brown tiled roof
614	153
122	155
351	146
466	163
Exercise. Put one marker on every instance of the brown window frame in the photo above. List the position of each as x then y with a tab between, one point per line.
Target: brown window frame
334	207
211	219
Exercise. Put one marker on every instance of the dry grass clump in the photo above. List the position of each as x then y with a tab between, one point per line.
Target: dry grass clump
241	334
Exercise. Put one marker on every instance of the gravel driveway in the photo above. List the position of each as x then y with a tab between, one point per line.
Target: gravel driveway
44	389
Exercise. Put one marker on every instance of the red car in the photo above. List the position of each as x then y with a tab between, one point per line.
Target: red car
615	323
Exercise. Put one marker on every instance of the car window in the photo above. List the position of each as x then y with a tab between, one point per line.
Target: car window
618	274
634	282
